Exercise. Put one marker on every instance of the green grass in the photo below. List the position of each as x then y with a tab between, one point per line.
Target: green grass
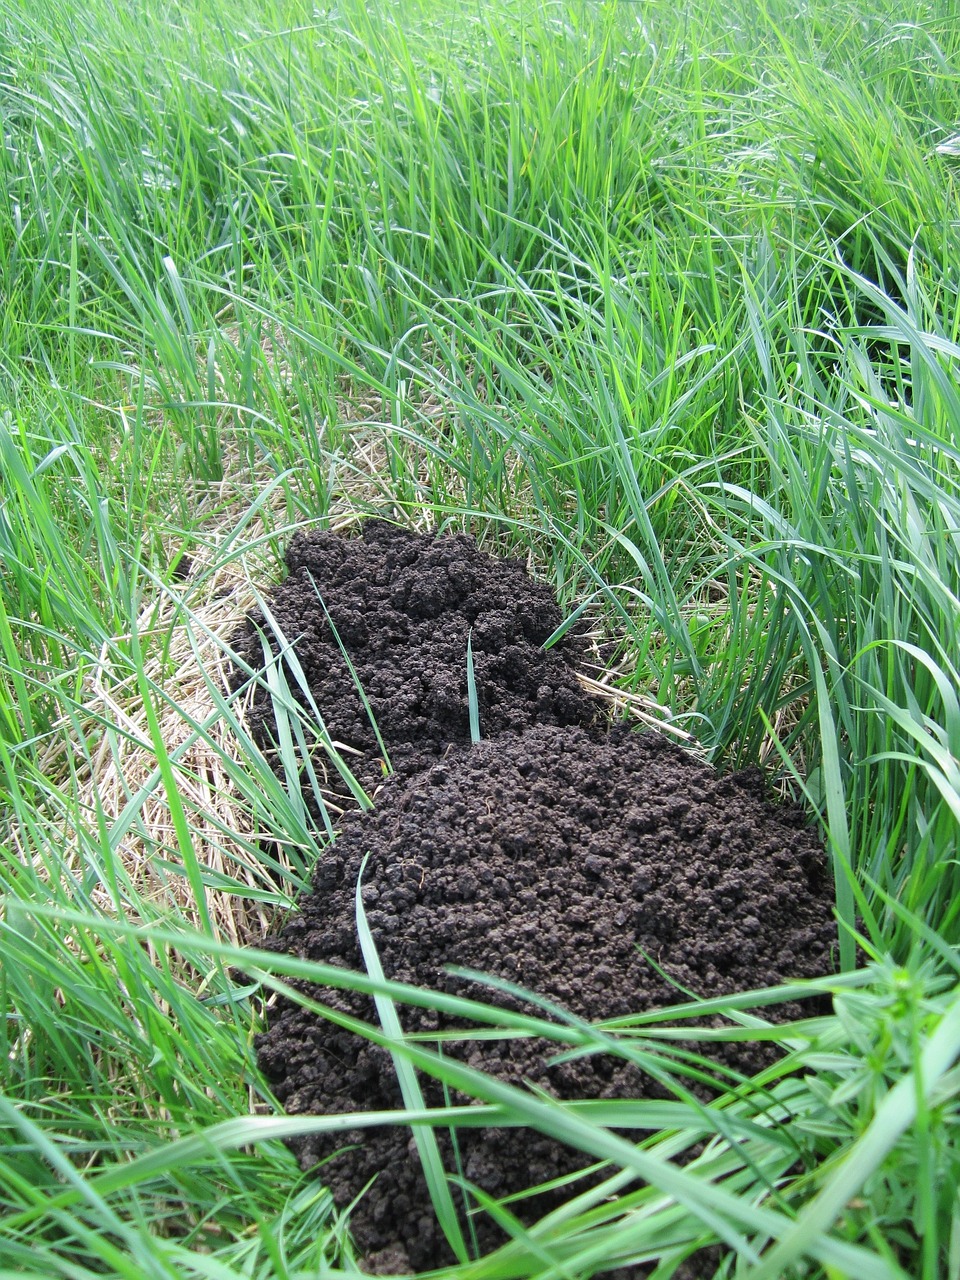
663	295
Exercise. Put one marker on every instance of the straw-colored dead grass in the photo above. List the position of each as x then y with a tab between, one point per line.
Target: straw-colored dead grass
104	757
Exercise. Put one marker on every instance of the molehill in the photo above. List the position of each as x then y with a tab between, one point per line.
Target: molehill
559	853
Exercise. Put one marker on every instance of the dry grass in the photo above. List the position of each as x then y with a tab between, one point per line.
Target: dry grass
102	757
103	754
105	757
635	706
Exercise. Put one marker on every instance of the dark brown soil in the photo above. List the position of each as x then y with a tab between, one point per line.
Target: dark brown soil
555	853
554	858
403	606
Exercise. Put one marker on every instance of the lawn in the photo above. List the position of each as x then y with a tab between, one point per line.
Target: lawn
662	297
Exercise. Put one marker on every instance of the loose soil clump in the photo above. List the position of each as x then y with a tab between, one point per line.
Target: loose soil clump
403	606
554	858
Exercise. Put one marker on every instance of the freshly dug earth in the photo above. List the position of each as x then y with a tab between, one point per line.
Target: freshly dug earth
403	605
554	858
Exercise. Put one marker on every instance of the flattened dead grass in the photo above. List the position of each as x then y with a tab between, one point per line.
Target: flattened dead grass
104	754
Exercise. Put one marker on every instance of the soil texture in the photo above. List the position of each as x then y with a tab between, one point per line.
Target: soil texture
403	605
554	857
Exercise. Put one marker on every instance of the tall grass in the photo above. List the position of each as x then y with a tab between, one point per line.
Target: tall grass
665	296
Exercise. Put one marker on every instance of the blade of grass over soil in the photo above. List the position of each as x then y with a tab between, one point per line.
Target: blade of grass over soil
427	1148
473	706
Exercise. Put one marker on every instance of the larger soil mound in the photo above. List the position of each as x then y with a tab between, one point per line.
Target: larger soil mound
403	606
553	858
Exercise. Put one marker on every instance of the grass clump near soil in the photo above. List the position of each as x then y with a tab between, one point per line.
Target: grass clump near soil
662	300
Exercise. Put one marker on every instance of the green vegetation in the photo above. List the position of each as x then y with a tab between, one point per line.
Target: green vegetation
665	295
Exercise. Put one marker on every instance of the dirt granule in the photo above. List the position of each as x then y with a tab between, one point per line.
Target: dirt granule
554	858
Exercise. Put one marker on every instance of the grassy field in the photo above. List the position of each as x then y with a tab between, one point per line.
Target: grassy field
664	295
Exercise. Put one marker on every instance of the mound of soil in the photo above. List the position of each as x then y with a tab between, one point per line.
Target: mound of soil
554	858
403	605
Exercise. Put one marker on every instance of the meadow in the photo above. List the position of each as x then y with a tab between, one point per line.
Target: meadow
664	297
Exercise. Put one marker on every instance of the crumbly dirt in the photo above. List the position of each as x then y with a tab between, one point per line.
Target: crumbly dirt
554	857
403	605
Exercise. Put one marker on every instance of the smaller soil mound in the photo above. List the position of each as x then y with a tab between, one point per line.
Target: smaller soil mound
554	859
403	606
